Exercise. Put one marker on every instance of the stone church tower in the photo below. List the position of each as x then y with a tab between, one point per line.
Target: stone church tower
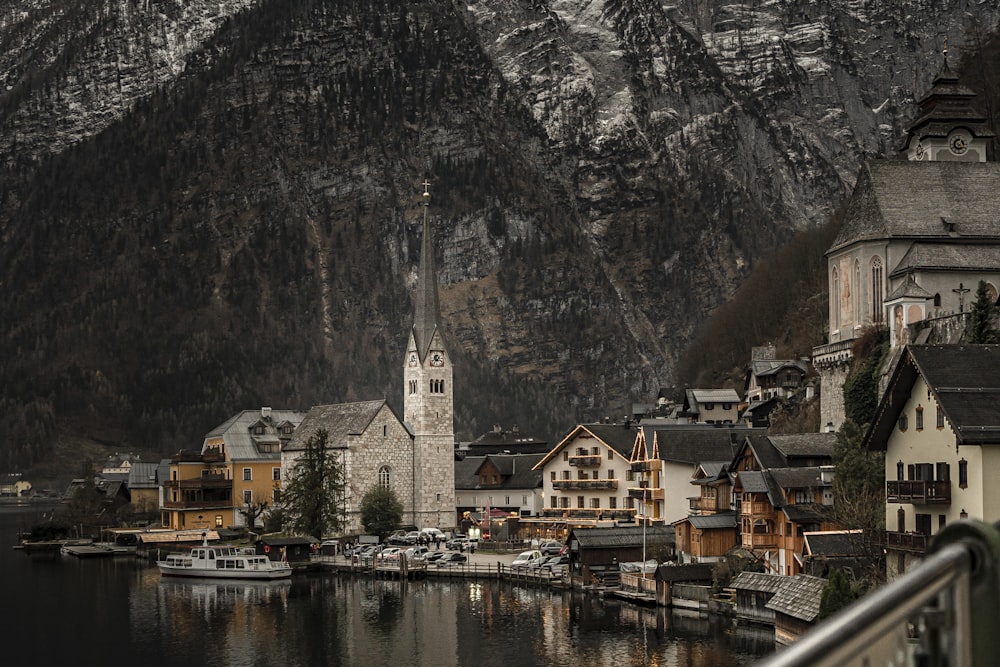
428	398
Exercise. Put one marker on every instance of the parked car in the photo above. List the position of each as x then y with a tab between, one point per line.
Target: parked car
458	543
432	534
554	564
416	553
526	559
435	556
551	547
390	555
398	537
451	559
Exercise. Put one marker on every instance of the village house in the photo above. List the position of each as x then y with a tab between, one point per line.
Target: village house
939	427
507	483
711	406
902	260
768	377
585	477
144	487
664	459
238	466
711	528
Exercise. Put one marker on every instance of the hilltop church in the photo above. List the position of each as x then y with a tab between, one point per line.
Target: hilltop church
919	234
414	456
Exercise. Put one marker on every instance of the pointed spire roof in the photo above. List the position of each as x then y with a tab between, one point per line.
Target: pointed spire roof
425	316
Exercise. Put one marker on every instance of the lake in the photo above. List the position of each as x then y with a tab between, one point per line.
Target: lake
68	610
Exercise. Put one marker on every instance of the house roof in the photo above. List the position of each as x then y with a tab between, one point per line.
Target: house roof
909	289
143	476
758	581
765	367
804	445
948	257
619	437
242	444
830	543
882	205
763	449
684	572
341	421
799	478
805	512
799	597
622	536
963	380
516	470
714	521
682	444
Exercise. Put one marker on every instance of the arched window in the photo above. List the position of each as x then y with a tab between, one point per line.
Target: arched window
857	315
835	299
937	300
383	477
877	289
991	292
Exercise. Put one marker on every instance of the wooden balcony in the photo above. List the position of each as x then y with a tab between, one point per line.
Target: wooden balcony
650	465
760	540
588	461
704	504
640	492
756	509
918	492
912	542
585	485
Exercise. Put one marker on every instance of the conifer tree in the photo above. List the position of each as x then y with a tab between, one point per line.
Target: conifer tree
381	511
314	498
981	329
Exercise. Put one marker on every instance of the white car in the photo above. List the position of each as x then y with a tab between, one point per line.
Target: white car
526	559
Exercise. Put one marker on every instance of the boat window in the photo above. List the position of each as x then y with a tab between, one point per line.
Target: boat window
239	565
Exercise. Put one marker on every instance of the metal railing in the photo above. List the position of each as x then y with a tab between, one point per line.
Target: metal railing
946	611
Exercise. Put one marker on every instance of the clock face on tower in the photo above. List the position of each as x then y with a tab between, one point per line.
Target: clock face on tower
437	358
958	144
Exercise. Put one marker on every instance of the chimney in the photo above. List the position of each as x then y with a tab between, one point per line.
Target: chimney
265	413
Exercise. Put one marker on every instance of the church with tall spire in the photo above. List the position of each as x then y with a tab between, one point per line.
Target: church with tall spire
414	456
428	391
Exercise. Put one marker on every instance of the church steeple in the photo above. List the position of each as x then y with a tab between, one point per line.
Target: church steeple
426	314
949	127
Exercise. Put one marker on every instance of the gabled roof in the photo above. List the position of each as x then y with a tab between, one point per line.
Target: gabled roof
765	367
517	471
341	421
909	289
619	437
239	439
798	597
806	512
948	257
882	205
763	450
829	543
694	444
964	381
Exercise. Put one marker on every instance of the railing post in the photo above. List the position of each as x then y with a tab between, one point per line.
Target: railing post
976	623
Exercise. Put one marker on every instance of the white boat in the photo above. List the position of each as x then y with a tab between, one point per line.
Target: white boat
223	562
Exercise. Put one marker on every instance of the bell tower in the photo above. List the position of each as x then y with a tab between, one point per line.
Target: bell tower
428	397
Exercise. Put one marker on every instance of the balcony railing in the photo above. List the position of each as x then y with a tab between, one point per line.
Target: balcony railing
704	504
588	513
649	465
588	461
759	540
200	483
585	485
918	492
197	504
914	542
640	492
756	508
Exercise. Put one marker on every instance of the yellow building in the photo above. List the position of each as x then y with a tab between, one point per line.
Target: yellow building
238	467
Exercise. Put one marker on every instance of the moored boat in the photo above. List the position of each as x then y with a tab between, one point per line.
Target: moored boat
223	562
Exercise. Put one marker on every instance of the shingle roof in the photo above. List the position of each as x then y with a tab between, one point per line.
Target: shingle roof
965	382
241	443
341	420
684	572
950	256
143	476
883	206
758	581
806	512
621	536
909	289
834	543
799	597
764	450
765	367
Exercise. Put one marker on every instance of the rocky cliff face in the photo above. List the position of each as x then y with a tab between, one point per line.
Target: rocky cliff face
212	204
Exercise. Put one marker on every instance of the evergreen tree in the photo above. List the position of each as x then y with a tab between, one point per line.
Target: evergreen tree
313	500
981	329
381	511
837	594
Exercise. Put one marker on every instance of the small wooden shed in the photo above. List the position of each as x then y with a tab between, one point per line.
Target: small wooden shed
753	591
595	552
296	549
795	607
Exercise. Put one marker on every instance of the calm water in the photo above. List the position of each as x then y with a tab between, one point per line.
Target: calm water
71	610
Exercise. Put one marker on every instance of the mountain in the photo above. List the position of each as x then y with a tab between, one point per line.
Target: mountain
213	205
